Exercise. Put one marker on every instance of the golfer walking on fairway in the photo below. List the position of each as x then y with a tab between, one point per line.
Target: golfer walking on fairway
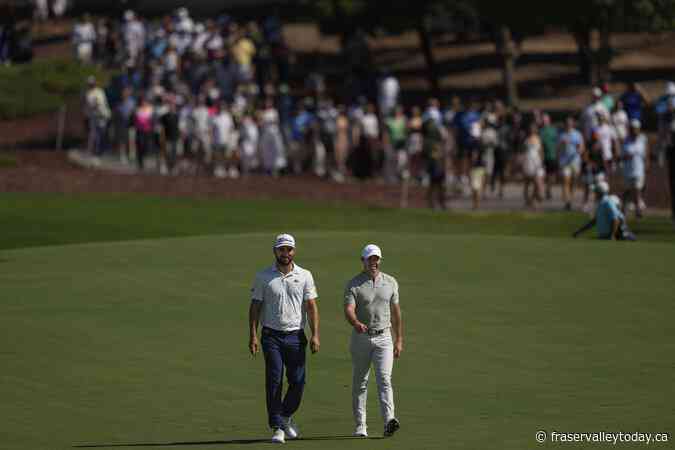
372	309
283	297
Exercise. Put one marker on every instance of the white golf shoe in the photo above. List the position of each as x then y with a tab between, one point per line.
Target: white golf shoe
290	428
361	430
279	437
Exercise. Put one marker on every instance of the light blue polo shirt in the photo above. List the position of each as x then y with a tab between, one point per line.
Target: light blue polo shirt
605	214
571	141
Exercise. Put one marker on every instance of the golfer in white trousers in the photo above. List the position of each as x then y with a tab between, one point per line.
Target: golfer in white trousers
372	309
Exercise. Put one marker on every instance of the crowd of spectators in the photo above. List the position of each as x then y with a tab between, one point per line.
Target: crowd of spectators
214	97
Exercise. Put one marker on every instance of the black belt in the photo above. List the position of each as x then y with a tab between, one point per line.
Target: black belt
283	333
376	332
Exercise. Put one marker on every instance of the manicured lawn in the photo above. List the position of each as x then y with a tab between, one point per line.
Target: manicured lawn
135	332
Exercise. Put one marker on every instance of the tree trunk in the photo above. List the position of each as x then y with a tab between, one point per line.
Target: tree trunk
605	55
427	50
509	53
587	69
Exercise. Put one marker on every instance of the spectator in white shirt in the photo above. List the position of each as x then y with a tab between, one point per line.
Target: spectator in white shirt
84	37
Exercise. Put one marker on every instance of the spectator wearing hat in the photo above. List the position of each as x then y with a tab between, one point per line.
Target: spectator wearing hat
97	113
283	300
571	145
608	219
634	156
590	116
549	140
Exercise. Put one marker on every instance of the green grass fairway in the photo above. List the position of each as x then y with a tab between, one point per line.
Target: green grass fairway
143	343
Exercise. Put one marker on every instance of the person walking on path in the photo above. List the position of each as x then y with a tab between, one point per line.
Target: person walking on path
371	307
283	297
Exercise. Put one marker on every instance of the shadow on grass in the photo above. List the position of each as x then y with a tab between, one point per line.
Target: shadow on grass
225	442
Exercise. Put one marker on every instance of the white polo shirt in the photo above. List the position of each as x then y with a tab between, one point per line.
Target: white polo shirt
283	297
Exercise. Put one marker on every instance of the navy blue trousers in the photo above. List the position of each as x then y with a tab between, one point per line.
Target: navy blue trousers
283	350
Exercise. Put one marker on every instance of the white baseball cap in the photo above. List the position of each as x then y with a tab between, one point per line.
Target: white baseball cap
670	88
284	240
371	250
602	187
597	92
635	124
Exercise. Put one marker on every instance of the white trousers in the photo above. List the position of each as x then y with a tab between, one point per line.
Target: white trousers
378	351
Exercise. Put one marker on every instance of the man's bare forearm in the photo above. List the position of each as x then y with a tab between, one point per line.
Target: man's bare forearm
350	315
397	322
313	316
254	319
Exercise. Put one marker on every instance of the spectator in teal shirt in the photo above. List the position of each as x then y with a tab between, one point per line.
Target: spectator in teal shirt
549	139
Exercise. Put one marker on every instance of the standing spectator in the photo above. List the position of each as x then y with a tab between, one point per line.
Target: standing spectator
170	137
589	118
502	155
671	156
301	126
223	137
634	155
6	31
489	140
98	114
634	101
249	138
397	138
84	38
272	146
143	119
607	140
436	161
41	10
662	110
370	128
59	8
571	145
202	136
415	141
327	115
468	127
133	33
342	147
533	167
243	52
620	121
433	111
594	165
478	170
123	118
388	93
549	140
102	31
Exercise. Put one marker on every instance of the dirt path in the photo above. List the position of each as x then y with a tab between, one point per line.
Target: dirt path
52	172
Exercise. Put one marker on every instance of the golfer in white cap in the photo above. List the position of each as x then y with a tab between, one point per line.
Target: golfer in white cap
608	219
283	298
372	309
